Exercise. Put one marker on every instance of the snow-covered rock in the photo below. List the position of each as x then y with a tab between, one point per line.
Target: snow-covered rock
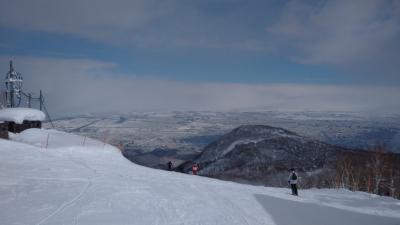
18	115
91	185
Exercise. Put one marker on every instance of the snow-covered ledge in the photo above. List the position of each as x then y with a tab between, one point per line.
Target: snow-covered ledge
18	115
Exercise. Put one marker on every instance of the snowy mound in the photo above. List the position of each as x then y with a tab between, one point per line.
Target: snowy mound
54	139
90	185
18	115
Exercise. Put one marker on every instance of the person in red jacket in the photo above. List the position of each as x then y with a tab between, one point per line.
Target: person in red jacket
195	168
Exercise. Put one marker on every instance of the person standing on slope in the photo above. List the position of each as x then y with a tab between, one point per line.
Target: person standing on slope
195	168
293	181
170	166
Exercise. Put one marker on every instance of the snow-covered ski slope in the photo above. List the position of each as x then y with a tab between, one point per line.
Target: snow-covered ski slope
96	185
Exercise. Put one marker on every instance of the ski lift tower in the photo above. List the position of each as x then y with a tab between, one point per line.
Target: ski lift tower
13	87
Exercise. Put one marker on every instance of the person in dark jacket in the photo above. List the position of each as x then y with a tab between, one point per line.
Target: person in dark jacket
293	181
169	165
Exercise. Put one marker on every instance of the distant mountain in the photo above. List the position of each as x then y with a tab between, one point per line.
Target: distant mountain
264	154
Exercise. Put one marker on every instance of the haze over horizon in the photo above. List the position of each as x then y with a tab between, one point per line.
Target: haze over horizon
101	56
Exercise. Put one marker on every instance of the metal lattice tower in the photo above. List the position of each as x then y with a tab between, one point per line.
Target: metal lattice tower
13	83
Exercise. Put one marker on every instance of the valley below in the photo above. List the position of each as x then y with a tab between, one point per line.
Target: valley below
246	147
189	132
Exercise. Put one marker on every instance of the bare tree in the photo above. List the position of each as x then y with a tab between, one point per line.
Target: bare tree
376	171
377	167
392	175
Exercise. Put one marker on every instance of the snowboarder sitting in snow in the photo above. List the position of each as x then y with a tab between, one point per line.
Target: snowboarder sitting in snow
169	165
293	181
195	168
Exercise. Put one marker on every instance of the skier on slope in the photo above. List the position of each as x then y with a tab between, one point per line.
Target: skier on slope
293	181
169	165
195	168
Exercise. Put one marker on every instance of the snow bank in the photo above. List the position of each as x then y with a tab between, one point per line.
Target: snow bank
48	138
18	115
90	185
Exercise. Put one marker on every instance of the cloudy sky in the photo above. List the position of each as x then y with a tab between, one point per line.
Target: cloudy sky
130	55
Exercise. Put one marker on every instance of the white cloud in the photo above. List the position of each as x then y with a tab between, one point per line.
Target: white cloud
77	86
139	23
358	36
98	20
361	34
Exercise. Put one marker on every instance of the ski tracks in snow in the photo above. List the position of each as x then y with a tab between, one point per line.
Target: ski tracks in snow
67	204
234	206
73	201
221	203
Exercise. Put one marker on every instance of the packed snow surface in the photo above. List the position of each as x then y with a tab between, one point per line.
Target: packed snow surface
95	185
54	139
18	115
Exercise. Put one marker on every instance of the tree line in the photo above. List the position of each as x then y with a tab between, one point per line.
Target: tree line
376	171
